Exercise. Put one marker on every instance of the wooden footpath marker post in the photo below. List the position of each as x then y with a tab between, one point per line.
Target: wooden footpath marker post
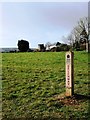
87	46
69	73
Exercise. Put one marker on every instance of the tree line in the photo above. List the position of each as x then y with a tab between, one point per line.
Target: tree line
23	46
79	35
76	40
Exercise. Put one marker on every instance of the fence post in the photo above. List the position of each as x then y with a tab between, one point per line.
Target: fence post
69	73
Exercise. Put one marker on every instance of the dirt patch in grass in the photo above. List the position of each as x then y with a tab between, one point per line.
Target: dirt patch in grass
76	99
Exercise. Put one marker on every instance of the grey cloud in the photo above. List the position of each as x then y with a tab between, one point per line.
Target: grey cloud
64	14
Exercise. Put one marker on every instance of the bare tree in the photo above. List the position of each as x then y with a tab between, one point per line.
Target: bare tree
47	45
68	39
82	26
75	34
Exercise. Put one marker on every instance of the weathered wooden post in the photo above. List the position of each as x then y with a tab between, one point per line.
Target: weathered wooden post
69	73
87	46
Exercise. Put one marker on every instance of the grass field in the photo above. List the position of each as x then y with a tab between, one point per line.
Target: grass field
33	84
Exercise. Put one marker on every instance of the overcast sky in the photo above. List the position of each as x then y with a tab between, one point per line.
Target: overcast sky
38	22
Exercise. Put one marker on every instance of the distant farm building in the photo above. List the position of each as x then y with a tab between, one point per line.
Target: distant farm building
41	47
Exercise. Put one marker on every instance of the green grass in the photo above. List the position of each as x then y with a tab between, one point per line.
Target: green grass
30	82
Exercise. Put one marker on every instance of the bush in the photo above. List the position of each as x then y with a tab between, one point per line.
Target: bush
23	45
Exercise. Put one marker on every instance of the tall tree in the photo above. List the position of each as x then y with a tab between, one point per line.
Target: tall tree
75	34
82	26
